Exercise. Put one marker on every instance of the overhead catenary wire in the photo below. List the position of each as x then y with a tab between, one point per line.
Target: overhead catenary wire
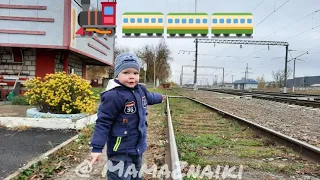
257	6
285	28
275	10
271	14
291	24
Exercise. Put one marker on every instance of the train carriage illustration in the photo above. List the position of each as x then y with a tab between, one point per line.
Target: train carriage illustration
187	23
182	24
100	22
138	23
232	23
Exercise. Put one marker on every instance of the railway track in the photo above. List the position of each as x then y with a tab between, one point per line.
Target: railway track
304	150
278	97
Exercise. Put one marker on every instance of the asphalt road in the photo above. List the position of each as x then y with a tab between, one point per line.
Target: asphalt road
17	148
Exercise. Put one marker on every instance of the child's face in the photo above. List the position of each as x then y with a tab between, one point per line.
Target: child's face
129	77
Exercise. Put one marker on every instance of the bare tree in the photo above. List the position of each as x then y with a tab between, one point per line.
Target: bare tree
158	56
279	76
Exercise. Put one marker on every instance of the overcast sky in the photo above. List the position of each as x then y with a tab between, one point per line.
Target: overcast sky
301	36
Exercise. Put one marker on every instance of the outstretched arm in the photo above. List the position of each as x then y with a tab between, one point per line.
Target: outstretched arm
154	98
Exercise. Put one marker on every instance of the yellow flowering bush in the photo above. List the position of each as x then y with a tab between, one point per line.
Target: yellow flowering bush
60	93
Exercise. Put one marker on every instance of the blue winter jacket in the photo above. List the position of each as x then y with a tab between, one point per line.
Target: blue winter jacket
122	119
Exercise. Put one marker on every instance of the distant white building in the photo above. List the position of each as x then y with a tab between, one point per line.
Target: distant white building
245	84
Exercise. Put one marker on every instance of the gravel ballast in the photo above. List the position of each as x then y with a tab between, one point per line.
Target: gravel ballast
299	122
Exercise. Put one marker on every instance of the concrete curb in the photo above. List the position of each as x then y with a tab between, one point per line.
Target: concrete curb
48	123
40	158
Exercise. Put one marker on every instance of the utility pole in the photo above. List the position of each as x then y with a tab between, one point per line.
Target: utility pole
246	75
223	76
195	66
154	72
195	6
285	71
145	73
294	71
232	78
294	68
181	77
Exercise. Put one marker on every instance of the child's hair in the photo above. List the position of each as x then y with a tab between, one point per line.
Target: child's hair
124	61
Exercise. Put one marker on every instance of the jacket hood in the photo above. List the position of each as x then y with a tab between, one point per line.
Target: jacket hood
111	85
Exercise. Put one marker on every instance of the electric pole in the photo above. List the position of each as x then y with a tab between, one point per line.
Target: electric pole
196	65
246	75
154	72
181	76
285	71
232	78
223	77
294	68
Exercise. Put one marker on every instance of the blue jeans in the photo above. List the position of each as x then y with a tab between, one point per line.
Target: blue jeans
119	161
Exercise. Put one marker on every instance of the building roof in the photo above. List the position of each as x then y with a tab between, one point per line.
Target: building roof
248	81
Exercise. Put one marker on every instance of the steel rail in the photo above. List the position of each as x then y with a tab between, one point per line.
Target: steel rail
306	150
174	157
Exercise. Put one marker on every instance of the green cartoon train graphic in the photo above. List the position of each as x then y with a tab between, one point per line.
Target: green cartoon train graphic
135	24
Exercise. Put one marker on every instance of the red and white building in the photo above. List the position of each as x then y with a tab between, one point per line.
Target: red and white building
38	37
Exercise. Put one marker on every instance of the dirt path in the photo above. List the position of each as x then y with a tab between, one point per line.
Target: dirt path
13	110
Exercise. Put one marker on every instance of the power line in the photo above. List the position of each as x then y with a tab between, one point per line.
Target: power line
271	13
260	21
168	6
313	48
286	27
257	6
303	32
292	23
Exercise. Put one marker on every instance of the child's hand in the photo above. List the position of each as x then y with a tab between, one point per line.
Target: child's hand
163	97
95	157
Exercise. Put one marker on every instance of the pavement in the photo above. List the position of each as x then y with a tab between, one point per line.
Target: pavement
17	148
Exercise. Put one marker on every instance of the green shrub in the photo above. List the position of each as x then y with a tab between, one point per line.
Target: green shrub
20	100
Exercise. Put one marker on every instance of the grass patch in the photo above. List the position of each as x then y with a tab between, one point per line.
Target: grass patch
19	100
205	138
